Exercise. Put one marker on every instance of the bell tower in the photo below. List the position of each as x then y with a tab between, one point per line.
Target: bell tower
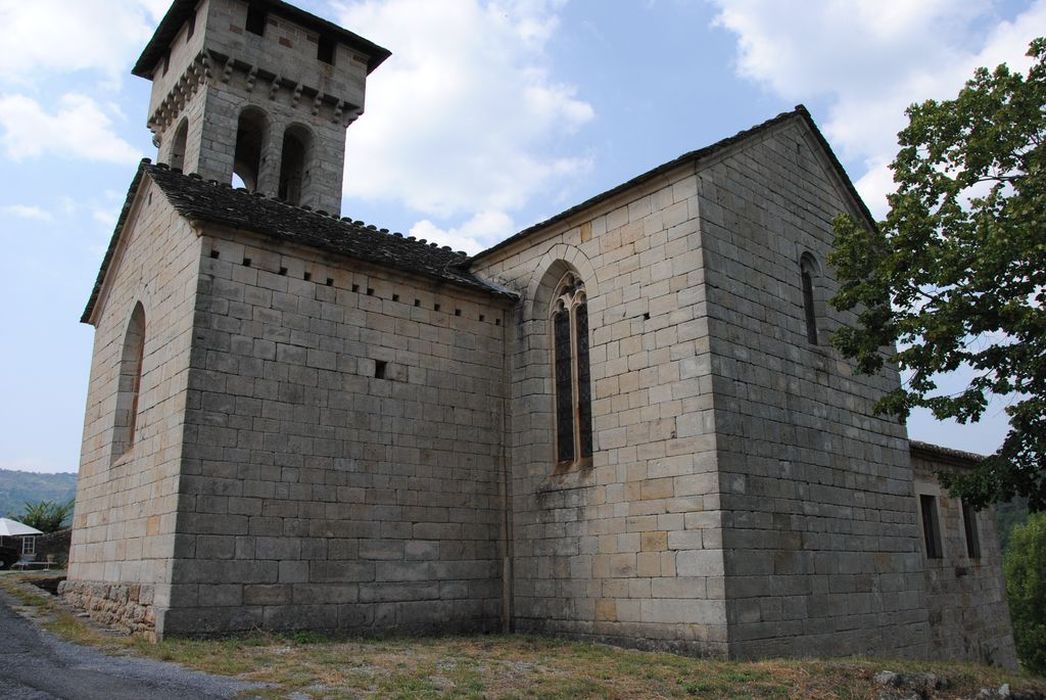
260	90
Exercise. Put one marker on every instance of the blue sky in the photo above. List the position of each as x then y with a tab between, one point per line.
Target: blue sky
490	116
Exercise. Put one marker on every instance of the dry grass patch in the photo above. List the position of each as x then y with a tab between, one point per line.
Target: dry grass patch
505	666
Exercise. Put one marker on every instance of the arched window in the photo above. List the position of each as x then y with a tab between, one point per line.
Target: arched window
251	135
129	383
294	163
573	392
809	274
181	135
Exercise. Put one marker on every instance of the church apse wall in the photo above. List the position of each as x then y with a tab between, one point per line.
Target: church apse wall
343	456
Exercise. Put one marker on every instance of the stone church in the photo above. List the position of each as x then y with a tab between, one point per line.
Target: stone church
624	423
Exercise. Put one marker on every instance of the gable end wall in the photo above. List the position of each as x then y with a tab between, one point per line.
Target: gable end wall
819	518
124	522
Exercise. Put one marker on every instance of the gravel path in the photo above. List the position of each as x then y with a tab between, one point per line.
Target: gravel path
35	665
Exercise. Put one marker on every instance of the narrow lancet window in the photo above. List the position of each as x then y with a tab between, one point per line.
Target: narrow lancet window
931	530
969	523
572	373
564	385
808	272
129	384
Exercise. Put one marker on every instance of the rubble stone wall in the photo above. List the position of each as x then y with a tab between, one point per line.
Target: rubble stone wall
969	615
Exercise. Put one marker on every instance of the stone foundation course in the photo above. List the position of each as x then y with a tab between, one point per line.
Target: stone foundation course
127	607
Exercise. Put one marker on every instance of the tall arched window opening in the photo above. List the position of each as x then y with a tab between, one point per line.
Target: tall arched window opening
809	274
181	136
571	372
294	170
129	384
251	134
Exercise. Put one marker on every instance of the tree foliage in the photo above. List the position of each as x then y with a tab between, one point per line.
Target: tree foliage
45	516
955	277
1025	568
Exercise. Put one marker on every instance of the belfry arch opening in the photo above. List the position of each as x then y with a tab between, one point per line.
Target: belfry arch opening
251	135
181	136
294	163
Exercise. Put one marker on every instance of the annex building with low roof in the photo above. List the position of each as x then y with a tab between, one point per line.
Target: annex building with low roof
625	423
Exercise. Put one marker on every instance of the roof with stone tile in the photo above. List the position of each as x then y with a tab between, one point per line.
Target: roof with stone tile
937	452
181	10
799	112
209	202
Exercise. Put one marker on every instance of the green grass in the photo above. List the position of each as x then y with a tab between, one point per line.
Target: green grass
494	666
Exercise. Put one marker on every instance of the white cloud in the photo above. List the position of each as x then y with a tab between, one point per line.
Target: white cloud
44	36
23	211
463	119
871	59
79	128
472	236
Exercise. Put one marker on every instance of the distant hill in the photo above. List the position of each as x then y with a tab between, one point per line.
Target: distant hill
18	488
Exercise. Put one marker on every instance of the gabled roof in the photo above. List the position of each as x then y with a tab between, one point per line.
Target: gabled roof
800	112
204	201
181	10
13	528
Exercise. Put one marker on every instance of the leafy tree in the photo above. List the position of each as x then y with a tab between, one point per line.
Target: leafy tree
1025	568
45	516
956	274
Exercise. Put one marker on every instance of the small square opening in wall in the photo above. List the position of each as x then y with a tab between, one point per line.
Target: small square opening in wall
283	271
457	312
482	318
370	291
246	262
256	17
380	368
330	281
215	254
497	321
307	276
395	297
435	307
325	50
355	288
417	302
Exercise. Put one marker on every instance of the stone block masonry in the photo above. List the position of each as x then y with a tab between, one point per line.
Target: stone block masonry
343	449
819	531
124	521
628	549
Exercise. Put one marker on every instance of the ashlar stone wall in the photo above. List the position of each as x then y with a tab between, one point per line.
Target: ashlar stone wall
627	549
969	616
819	532
343	452
123	529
